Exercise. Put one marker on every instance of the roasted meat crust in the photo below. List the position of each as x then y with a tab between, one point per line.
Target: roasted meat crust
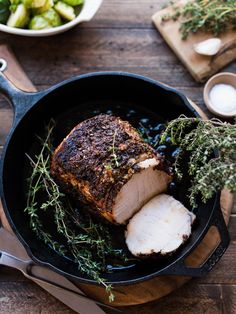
97	158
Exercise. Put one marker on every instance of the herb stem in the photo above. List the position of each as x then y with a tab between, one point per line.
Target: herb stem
89	243
113	149
210	149
208	16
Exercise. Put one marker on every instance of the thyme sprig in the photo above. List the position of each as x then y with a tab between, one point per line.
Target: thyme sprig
114	157
89	243
113	149
211	16
144	133
211	145
37	181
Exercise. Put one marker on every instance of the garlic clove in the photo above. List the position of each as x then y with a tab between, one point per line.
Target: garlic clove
208	47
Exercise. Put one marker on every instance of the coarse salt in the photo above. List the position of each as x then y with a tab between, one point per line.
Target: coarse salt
223	98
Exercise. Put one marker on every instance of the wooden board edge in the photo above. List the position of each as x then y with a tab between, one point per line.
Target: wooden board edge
200	77
171	45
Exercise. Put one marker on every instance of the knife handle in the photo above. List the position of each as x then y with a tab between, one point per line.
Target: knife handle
74	298
13	254
79	305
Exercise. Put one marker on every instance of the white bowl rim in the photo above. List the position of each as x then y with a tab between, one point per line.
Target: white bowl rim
90	7
206	97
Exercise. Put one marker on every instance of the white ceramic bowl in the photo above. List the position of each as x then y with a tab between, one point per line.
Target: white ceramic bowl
220	78
90	7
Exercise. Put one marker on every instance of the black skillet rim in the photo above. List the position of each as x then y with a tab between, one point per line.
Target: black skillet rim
14	129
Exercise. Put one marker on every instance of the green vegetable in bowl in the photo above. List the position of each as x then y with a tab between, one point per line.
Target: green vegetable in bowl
19	18
38	14
52	17
47	19
39	22
47	5
65	10
4	11
33	3
14	4
73	3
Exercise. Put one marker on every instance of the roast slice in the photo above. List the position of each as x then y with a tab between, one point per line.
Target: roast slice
139	189
160	226
105	163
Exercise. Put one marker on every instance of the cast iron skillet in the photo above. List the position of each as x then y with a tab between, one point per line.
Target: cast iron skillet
68	101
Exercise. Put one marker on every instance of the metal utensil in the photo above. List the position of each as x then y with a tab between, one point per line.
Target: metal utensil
13	254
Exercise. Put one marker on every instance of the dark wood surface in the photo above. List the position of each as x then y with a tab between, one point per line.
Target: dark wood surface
120	37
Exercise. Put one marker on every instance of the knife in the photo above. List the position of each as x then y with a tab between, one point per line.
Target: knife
13	254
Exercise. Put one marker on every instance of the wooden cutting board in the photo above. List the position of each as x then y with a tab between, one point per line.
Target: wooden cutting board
149	290
201	67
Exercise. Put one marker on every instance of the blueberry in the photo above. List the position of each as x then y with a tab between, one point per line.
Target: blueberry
96	112
168	140
161	148
142	130
131	113
172	188
175	153
157	138
144	121
159	127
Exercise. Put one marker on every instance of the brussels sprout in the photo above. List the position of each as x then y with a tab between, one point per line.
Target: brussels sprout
65	10
38	3
52	17
15	1
14	4
39	22
33	3
47	5
74	3
19	18
4	11
27	3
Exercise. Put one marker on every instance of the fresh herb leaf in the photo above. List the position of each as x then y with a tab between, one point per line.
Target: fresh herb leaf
87	241
202	139
211	16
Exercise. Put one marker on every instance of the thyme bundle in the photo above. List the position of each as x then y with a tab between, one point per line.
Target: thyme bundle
211	16
202	140
88	243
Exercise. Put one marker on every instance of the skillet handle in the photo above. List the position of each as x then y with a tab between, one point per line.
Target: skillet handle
179	268
12	75
14	71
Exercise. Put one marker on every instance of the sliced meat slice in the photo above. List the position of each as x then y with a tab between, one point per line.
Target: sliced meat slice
105	163
161	226
139	189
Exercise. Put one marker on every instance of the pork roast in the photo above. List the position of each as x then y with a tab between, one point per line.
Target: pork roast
160	227
105	163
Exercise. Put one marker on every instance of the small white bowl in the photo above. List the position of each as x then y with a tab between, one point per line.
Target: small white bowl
220	78
90	7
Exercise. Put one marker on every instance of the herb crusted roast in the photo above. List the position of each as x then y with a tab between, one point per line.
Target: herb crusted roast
105	163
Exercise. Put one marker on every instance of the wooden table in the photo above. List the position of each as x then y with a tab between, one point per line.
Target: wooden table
120	37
